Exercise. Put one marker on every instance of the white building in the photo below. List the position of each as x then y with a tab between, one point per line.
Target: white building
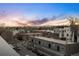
65	33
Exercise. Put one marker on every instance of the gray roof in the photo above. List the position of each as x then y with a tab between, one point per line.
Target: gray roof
5	49
54	40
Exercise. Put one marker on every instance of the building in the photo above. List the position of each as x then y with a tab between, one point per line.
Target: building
61	41
49	46
50	40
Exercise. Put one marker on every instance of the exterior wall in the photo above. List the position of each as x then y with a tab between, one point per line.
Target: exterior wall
73	37
60	33
44	46
65	33
72	49
63	49
56	30
78	37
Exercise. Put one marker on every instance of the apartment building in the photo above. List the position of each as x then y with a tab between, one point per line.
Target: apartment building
49	46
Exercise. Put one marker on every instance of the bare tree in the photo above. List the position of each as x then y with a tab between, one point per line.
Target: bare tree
73	21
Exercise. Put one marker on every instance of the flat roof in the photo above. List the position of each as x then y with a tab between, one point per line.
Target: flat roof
30	33
53	40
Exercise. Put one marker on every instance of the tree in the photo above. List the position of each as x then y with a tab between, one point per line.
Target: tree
73	21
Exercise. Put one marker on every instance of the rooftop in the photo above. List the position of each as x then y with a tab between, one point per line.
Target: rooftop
29	33
54	40
6	49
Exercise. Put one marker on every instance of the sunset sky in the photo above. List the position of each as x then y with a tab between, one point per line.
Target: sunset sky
38	10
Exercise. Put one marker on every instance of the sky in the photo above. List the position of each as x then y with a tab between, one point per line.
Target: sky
39	10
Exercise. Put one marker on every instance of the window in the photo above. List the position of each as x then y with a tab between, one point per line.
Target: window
20	38
64	30
39	42
78	34
32	40
75	38
58	48
62	34
67	34
49	45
